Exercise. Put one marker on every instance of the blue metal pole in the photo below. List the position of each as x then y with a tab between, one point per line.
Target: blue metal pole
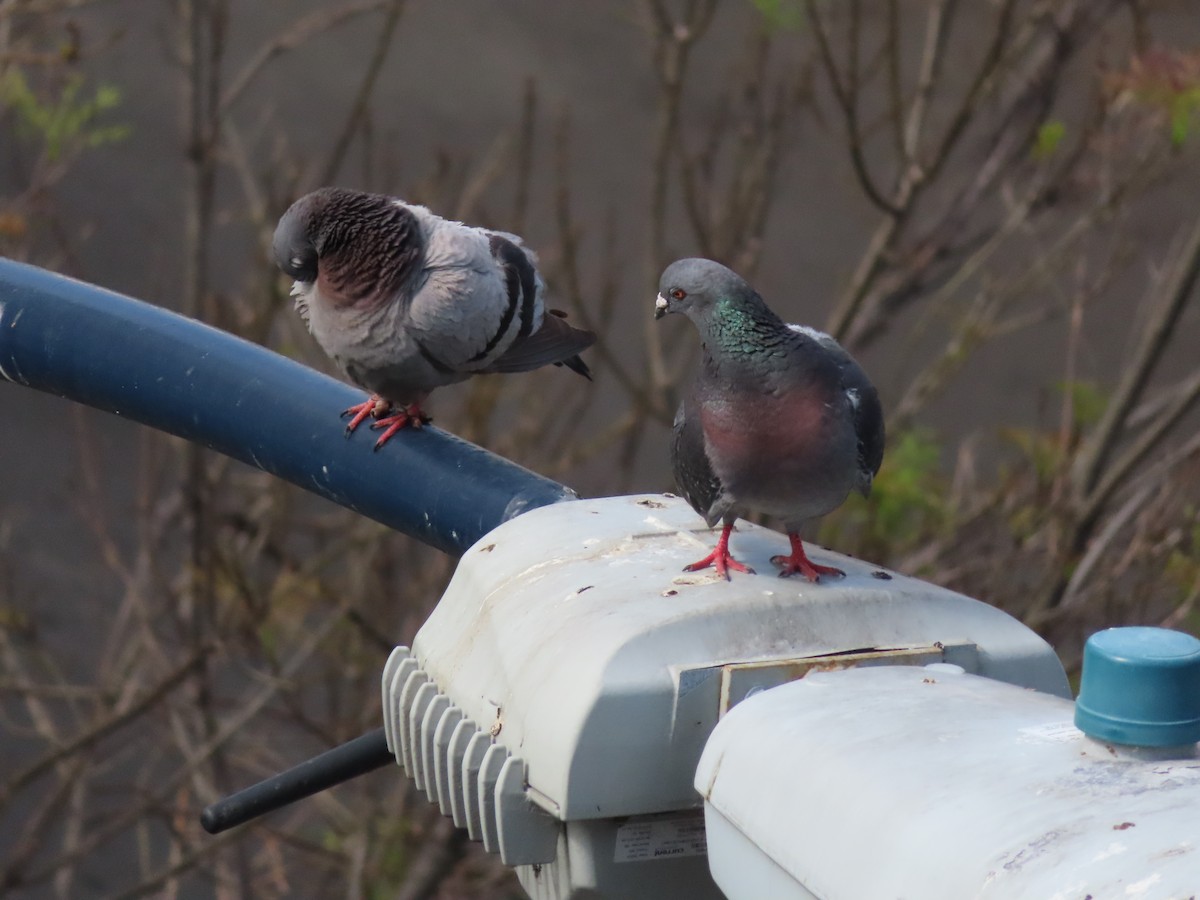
144	363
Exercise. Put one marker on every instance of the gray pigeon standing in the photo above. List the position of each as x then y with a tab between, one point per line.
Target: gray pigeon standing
405	301
779	420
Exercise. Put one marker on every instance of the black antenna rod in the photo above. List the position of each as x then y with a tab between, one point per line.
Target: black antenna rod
357	757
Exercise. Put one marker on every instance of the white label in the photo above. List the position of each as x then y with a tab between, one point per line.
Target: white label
1050	733
658	837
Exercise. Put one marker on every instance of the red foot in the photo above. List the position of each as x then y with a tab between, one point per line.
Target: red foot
409	416
720	558
375	406
798	562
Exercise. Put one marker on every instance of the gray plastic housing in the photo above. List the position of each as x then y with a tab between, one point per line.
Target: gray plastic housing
571	642
940	786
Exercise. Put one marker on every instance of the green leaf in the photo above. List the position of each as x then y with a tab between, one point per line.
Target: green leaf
1087	401
1183	108
908	502
780	15
1049	136
66	123
1039	448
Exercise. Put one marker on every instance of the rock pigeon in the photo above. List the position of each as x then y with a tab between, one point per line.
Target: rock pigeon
405	301
779	420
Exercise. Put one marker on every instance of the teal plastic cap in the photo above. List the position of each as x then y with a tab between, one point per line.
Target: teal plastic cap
1140	686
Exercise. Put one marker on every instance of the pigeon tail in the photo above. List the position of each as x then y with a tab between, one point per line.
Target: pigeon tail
576	364
554	342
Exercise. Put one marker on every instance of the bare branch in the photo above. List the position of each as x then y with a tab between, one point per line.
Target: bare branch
362	99
1149	438
103	728
569	260
1154	337
932	55
303	30
846	92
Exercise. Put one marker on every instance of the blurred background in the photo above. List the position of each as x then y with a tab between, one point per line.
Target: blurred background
993	205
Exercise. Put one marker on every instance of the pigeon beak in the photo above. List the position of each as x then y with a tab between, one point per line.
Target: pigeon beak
660	306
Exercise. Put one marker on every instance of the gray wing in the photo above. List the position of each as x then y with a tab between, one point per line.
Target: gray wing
693	473
868	422
864	405
464	312
541	339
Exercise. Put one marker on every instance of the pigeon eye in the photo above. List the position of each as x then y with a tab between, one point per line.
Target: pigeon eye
678	294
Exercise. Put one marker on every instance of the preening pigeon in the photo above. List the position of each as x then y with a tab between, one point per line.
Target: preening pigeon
779	420
405	301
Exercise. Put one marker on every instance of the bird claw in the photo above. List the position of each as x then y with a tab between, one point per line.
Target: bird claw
374	406
798	561
790	565
720	559
722	562
409	417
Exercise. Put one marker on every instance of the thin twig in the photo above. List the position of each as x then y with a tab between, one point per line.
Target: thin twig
303	30
846	92
102	729
366	87
1154	337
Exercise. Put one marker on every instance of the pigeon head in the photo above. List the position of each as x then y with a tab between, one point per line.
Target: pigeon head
693	286
295	252
704	291
362	244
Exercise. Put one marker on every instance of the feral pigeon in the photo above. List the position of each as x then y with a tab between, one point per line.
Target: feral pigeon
780	419
405	301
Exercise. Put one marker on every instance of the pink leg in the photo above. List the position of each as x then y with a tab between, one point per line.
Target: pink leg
720	558
409	416
799	562
375	406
